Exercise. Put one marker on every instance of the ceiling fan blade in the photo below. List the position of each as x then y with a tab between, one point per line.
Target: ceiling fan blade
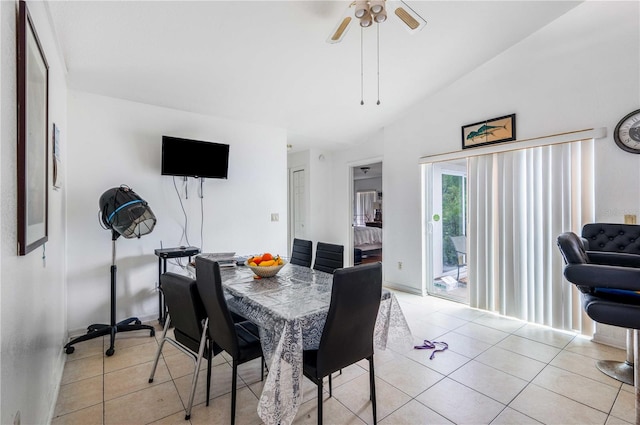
344	23
412	21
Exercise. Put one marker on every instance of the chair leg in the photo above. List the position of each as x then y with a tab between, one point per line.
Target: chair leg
636	371
234	381
372	384
262	361
330	387
320	401
159	350
621	371
194	381
209	358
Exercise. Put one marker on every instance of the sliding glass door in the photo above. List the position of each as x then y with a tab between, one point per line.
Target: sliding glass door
446	230
502	256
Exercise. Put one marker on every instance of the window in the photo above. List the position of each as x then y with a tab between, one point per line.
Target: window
364	209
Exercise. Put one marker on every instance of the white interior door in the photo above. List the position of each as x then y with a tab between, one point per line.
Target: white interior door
299	204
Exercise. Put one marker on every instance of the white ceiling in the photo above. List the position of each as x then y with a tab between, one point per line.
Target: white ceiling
267	61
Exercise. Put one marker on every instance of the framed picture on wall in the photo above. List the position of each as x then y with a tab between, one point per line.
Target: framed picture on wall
495	130
33	125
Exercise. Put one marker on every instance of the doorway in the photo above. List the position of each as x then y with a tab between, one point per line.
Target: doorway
446	215
297	205
368	218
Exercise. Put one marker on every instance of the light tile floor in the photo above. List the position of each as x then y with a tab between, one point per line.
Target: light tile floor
496	371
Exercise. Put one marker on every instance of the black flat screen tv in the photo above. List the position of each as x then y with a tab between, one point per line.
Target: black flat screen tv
194	158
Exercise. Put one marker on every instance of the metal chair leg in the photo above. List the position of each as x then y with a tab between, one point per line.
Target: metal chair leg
621	371
372	384
194	381
320	401
234	382
159	350
636	372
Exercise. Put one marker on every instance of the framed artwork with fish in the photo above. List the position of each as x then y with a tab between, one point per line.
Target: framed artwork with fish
488	132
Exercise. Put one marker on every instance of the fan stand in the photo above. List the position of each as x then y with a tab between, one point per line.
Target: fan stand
98	330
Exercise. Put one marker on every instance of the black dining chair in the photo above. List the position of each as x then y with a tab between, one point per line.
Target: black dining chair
234	338
187	316
301	252
329	257
347	336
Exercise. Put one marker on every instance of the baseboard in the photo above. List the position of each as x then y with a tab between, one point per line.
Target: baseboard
404	288
612	339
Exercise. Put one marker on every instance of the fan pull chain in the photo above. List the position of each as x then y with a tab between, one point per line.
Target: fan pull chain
361	67
378	53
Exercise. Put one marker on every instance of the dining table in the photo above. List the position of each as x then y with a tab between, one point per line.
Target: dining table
290	310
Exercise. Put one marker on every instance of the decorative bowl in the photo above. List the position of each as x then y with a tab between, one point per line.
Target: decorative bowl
268	271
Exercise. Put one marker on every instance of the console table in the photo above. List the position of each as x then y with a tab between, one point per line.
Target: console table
164	254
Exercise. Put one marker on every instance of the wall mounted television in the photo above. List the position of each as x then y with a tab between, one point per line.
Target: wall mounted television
194	158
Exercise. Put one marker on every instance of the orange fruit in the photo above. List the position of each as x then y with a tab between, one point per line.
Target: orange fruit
266	256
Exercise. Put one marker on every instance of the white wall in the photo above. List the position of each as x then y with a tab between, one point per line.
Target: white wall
339	222
113	142
32	289
318	165
581	71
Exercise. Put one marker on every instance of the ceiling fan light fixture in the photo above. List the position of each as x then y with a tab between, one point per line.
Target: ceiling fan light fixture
376	6
366	21
380	17
362	9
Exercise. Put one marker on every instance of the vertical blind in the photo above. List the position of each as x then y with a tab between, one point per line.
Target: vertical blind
519	202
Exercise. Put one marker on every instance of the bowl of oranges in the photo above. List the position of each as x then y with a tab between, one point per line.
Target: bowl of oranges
265	265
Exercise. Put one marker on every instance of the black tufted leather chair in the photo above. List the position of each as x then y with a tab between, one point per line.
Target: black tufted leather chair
614	244
608	294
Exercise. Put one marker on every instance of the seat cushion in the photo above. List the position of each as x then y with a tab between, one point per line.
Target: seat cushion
614	309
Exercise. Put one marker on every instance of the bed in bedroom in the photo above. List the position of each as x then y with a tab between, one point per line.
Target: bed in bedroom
368	240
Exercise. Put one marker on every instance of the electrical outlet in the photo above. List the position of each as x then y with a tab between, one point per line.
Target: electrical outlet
399	265
275	217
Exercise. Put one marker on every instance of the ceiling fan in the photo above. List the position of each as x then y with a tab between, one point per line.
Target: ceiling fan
370	11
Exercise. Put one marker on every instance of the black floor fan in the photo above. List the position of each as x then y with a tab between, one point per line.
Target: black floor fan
126	214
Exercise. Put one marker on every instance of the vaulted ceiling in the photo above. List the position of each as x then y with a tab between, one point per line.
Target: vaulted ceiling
267	61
